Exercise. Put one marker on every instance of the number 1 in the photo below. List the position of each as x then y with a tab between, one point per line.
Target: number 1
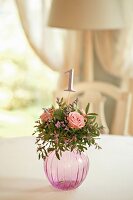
70	81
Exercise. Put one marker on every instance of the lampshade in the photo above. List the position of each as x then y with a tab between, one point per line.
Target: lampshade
86	14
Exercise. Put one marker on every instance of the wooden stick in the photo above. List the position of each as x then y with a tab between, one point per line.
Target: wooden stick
68	98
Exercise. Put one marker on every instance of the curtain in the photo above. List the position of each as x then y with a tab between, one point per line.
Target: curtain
33	15
115	51
57	48
61	49
115	48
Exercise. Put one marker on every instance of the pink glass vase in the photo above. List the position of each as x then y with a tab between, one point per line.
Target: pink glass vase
68	172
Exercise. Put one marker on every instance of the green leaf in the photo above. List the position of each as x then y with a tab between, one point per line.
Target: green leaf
57	155
58	114
79	111
96	125
90	117
42	155
45	152
85	148
61	100
87	108
37	140
93	114
73	147
51	149
93	120
39	156
60	153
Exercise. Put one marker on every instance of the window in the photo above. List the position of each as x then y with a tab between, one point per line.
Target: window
26	84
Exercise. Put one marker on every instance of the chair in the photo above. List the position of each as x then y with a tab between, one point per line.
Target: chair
96	93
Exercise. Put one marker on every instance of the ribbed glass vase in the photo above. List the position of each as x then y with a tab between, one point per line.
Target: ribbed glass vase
68	172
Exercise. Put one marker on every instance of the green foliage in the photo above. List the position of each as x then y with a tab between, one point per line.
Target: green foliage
58	114
87	108
54	133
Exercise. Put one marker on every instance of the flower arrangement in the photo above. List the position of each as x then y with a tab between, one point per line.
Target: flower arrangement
66	128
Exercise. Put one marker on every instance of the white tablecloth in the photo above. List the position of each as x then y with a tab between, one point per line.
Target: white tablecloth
110	175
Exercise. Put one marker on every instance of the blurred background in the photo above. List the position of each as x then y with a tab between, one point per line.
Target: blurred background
34	56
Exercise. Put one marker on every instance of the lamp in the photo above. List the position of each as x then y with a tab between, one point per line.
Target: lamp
86	15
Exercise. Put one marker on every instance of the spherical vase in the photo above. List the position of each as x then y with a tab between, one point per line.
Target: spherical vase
68	172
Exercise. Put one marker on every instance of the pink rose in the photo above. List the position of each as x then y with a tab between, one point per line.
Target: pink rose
75	120
47	115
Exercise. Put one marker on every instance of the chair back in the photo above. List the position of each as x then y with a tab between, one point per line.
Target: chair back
96	94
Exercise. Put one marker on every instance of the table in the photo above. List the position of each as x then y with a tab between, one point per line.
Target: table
110	175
